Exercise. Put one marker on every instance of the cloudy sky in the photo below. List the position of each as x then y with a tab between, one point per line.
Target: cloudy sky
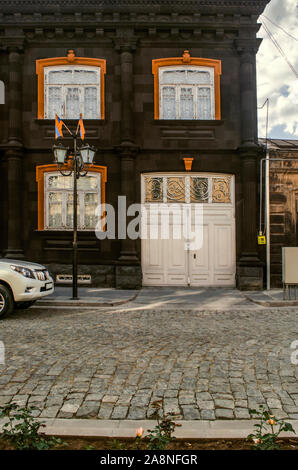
275	78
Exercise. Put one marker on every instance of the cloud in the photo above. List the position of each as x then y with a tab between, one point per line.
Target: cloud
275	78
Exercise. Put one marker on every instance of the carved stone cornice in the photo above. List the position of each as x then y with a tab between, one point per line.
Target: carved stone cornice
71	22
176	5
249	151
123	44
13	147
248	46
12	44
42	13
127	150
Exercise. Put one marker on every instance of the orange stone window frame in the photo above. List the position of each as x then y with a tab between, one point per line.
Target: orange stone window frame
186	59
40	173
71	59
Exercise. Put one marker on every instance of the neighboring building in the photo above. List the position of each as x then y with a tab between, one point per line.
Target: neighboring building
156	81
283	201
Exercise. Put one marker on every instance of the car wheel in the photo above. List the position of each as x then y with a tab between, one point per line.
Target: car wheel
25	304
6	301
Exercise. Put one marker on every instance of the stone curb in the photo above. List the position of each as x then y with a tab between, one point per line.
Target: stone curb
82	303
219	429
273	303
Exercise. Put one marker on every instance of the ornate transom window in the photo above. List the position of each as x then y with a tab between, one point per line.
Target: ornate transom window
188	189
186	88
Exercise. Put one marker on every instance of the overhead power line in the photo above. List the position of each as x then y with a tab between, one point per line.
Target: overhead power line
279	48
280	27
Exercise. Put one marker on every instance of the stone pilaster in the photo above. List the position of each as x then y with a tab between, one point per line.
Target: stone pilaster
126	48
127	161
127	127
14	153
14	201
128	271
249	269
248	101
15	96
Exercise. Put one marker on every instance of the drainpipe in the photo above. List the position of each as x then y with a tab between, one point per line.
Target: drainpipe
267	215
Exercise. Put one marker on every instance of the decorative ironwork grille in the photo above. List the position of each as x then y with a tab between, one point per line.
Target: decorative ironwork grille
221	190
199	189
188	189
175	189
154	189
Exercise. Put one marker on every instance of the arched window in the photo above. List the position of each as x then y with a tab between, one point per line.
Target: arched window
55	198
70	86
187	88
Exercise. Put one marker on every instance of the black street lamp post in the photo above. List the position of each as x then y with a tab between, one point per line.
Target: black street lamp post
75	162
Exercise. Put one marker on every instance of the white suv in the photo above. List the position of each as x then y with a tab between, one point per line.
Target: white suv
22	283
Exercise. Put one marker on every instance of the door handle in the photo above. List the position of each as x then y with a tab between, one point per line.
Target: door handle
195	256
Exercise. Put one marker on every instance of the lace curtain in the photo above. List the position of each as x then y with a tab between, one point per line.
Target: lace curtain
179	101
186	103
90	102
72	77
204	103
72	103
185	77
90	203
71	91
169	102
59	201
55	210
54	102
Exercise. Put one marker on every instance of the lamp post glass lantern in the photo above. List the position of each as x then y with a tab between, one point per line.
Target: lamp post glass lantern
87	154
75	162
60	153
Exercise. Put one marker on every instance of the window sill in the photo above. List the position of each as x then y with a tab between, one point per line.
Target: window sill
69	122
187	122
68	231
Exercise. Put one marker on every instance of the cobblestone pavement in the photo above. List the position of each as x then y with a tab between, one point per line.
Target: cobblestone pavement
111	364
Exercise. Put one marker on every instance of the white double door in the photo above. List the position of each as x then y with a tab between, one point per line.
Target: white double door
179	261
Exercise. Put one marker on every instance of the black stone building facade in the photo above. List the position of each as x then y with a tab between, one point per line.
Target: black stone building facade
131	137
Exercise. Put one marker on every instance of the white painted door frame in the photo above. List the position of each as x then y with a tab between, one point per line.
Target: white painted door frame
167	262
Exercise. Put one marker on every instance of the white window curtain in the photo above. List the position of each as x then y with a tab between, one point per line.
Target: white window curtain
186	103
72	102
169	102
55	101
72	90
204	103
90	102
59	201
187	92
